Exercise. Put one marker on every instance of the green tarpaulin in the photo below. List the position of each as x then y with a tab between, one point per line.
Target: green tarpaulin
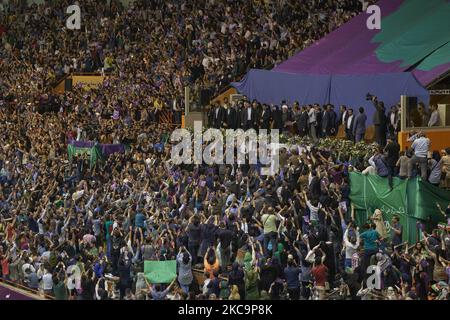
412	200
160	271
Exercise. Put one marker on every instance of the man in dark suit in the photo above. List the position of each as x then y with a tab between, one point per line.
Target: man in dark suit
393	119
326	121
321	122
210	116
349	121
248	116
218	116
392	151
302	122
359	125
264	118
318	123
333	121
379	121
277	119
329	122
342	115
231	117
239	110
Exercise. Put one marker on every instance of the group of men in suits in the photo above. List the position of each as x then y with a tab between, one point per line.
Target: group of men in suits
233	116
354	124
313	120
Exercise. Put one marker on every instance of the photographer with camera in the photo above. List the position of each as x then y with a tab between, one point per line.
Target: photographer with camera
379	120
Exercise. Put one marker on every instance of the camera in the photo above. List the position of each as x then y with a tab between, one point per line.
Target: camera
369	97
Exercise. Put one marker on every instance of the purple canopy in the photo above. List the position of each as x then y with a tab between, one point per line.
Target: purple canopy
413	37
272	87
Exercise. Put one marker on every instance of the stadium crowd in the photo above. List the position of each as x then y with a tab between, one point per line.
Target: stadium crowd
162	45
288	236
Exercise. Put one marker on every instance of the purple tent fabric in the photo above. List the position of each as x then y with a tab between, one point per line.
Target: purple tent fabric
272	87
355	49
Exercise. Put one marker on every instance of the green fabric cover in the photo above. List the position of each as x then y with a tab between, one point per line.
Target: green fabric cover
412	200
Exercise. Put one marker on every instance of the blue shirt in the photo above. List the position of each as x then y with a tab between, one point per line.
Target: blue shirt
291	274
381	167
98	270
139	220
370	237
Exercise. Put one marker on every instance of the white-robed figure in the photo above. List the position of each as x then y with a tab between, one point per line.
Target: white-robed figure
377	218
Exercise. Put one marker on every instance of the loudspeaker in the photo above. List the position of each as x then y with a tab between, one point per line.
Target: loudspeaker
68	84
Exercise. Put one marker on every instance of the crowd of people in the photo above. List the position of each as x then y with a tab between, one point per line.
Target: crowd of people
287	236
163	46
235	233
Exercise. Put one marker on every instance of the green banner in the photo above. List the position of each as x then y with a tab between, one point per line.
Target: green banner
412	200
72	150
94	153
160	271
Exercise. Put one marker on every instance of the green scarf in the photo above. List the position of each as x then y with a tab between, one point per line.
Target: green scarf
248	261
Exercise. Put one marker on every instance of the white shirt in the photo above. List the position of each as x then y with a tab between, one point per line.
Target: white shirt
174	104
372	162
79	132
420	146
343	117
26	266
47	281
312	116
313	211
349	122
249	114
350	248
393	122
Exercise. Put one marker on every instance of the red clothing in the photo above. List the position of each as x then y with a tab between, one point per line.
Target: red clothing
5	267
10	233
320	274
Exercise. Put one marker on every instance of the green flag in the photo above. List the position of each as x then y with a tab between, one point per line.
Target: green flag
160	271
94	153
72	150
